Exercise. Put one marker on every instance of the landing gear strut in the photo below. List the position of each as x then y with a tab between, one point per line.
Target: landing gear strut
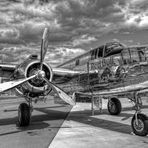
139	121
24	114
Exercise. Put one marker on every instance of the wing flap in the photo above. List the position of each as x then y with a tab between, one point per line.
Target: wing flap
120	90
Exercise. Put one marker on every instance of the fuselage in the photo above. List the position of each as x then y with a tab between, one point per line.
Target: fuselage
108	66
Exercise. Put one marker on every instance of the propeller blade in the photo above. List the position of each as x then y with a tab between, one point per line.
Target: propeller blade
11	84
44	46
61	93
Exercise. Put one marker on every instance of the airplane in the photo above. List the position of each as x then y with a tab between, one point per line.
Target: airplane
108	72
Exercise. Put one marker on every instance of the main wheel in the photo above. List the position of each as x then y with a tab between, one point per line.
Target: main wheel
140	128
114	106
24	114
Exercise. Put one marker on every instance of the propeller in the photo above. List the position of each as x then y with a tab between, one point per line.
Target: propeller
60	93
44	46
11	84
41	73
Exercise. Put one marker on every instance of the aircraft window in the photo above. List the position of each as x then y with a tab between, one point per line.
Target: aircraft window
92	55
134	55
107	50
141	53
100	52
77	62
125	56
96	53
146	52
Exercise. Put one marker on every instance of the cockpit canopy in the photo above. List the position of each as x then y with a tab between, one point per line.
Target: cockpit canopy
107	50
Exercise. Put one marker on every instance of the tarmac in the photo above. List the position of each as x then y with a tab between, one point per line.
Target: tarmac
82	130
47	118
56	125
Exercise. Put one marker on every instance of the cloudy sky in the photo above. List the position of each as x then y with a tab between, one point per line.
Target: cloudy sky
75	26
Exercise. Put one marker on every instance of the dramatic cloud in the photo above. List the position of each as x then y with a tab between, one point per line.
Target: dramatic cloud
74	25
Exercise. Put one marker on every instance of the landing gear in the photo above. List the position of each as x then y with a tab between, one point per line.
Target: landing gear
139	121
24	114
139	124
114	106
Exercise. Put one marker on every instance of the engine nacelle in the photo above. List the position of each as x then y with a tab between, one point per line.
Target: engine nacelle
34	87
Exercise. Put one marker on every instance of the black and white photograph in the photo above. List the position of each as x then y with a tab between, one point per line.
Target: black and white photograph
73	73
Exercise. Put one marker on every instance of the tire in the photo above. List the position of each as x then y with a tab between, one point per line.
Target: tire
24	114
114	106
142	128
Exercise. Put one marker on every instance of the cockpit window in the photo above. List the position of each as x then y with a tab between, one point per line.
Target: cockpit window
100	52
92	55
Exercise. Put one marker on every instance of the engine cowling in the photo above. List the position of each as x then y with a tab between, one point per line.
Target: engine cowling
34	87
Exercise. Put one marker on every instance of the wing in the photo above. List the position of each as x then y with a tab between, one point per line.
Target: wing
65	72
120	90
6	70
70	73
61	75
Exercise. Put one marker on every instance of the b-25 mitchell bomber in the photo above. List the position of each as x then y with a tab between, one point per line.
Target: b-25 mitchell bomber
109	71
